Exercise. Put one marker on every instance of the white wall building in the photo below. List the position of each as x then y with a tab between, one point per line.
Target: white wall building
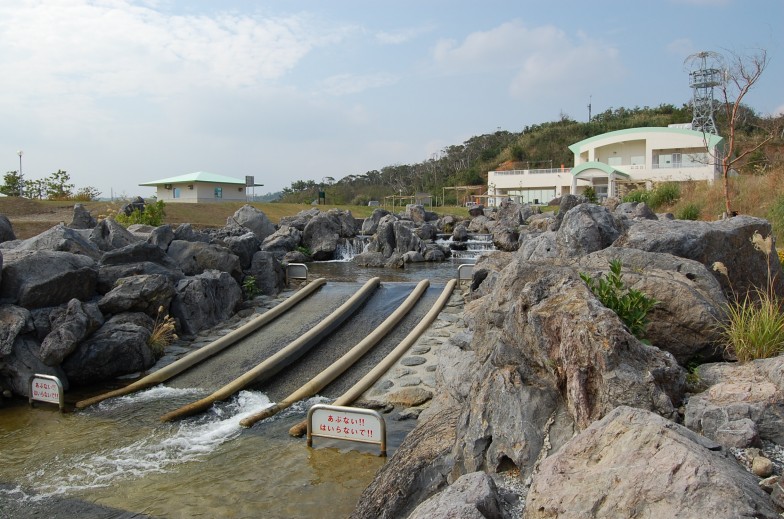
615	163
199	187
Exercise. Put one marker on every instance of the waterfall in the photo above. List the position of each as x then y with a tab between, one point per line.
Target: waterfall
347	248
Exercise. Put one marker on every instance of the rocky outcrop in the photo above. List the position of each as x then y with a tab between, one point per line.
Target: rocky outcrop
82	219
743	403
141	293
256	221
6	229
324	230
196	257
23	362
633	463
244	247
70	325
472	496
370	224
36	279
61	239
117	348
109	235
285	239
204	300
268	273
14	320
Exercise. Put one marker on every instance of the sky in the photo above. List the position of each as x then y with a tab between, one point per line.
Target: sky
121	92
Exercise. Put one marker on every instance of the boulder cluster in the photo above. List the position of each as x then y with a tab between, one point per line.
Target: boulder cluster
549	389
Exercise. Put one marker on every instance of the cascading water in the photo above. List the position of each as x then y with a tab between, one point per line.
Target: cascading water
347	248
476	245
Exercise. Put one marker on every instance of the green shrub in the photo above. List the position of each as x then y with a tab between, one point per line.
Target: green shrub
664	194
776	216
249	287
632	306
754	328
689	212
638	195
152	215
590	193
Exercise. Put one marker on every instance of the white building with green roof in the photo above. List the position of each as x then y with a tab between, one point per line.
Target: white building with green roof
199	187
615	163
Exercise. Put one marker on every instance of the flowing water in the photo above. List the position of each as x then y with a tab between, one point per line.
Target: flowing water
117	456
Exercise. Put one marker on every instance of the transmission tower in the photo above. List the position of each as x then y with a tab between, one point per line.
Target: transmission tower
706	72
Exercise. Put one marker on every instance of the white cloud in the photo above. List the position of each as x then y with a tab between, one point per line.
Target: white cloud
401	36
681	47
543	61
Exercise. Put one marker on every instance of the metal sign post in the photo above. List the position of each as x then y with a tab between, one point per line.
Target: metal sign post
47	388
347	423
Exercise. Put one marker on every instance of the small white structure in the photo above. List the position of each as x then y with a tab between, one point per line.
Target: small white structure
199	187
615	163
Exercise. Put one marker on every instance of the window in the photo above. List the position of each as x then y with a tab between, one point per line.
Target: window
218	192
176	192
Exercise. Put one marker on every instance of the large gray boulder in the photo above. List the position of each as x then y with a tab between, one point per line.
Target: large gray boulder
62	239
395	236
285	239
109	235
142	258
727	241
633	463
268	273
82	219
301	219
254	220
14	320
6	229
750	393
23	362
690	300
186	232
141	293
636	211
472	496
70	325
205	300
35	279
161	236
244	246
588	228
197	257
370	224
117	348
416	213
566	203
321	236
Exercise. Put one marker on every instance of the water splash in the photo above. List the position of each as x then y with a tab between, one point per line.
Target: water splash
163	447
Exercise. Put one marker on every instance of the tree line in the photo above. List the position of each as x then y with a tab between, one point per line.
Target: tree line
56	186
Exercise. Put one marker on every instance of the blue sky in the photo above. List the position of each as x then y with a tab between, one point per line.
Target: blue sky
119	92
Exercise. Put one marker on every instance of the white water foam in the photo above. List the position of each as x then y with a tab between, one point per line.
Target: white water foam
159	392
166	445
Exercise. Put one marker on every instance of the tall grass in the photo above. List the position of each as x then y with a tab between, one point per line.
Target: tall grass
754	328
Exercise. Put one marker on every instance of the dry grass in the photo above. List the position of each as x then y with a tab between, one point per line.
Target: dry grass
31	217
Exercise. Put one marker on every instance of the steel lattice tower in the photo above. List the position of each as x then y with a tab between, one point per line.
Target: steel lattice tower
705	75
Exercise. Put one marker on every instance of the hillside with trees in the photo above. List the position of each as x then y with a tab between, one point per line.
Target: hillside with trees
538	146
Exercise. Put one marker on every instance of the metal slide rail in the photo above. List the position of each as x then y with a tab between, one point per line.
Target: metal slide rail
338	367
186	362
386	364
272	365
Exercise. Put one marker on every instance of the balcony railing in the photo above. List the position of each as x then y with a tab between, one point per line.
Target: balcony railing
516	172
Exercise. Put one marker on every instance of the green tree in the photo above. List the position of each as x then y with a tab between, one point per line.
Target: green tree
57	186
85	194
12	184
35	188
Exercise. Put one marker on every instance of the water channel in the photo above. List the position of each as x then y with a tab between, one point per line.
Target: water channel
116	459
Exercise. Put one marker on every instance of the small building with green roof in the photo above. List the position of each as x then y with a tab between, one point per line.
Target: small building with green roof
199	187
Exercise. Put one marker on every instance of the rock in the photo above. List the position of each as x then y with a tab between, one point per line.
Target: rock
144	293
254	220
413	257
69	327
751	391
587	228
82	219
481	224
35	279
633	463
295	256
109	235
14	320
6	229
566	203
416	213
244	247
61	239
690	300
136	205
161	236
197	257
117	348
138	252
409	397
477	210
427	232
434	254
23	362
185	232
301	219
370	259
321	236
635	211
761	466
285	239
505	238
472	496
370	224
538	246
268	272
727	241
205	300
460	233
